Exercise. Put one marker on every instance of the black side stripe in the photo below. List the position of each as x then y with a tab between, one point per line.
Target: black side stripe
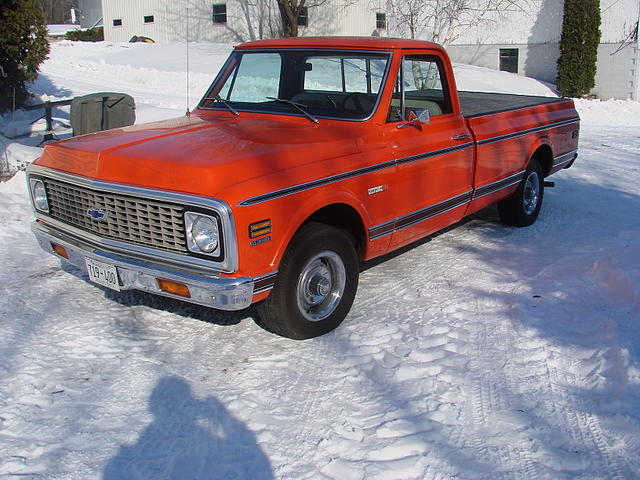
526	132
382	229
499	185
264	282
353	173
454	202
435	153
565	158
418	216
431	211
362	171
315	183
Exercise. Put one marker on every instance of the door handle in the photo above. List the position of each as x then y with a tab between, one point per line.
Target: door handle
462	136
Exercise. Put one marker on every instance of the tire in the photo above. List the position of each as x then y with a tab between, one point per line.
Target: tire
522	208
316	284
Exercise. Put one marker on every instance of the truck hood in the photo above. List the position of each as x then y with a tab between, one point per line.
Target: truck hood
204	155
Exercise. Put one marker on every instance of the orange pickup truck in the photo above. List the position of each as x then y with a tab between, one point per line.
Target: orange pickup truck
305	157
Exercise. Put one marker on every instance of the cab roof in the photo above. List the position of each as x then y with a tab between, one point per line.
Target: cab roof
352	43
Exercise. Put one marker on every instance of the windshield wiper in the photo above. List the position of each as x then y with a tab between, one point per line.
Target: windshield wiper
298	106
218	98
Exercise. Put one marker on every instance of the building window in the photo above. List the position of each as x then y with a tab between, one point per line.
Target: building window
509	60
381	20
220	13
149	19
117	22
303	17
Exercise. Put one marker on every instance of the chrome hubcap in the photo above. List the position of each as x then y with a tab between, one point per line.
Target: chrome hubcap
321	285
531	193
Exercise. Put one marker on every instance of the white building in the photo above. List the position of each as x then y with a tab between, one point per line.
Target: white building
525	40
230	20
530	40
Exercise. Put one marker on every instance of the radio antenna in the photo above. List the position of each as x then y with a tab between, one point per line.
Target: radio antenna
187	41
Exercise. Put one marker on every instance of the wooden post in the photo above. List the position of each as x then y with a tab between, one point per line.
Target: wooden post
48	115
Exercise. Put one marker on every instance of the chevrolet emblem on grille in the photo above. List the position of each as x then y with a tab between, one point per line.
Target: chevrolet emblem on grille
97	214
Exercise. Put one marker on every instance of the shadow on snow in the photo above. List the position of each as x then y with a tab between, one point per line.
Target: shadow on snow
189	438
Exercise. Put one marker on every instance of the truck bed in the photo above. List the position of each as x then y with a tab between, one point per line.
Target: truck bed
475	104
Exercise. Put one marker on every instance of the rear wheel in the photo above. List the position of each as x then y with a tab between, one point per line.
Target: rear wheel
522	208
316	284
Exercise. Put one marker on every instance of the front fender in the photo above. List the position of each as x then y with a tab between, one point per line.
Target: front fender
310	204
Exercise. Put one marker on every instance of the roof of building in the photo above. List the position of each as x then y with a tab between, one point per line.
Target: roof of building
366	43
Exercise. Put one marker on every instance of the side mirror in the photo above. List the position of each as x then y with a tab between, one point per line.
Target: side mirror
424	118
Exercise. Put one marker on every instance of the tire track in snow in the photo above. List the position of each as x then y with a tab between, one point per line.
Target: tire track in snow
432	354
493	402
585	446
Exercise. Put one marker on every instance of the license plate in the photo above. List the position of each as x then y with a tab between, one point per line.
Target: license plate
103	274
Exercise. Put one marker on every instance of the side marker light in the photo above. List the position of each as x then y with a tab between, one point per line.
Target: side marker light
260	228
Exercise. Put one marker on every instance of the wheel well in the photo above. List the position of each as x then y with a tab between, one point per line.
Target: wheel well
345	217
544	155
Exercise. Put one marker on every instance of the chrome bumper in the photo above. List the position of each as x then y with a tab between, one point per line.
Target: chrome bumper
223	293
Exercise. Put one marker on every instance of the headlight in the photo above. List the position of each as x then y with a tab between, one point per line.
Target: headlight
203	233
39	195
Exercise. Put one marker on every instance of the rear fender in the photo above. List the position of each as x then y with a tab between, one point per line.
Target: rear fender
543	152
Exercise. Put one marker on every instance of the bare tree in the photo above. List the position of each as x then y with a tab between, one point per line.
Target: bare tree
261	20
57	11
444	21
290	11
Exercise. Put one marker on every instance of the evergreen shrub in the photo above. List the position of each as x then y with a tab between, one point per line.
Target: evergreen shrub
23	47
95	34
578	47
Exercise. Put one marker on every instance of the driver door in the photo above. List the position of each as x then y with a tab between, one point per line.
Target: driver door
434	159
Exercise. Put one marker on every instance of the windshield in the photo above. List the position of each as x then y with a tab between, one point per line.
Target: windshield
325	84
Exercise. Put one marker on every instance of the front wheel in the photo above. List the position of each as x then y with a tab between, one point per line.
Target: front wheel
316	284
522	208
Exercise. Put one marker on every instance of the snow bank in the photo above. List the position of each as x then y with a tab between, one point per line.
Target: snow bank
15	157
14	186
61	30
486	352
480	79
609	112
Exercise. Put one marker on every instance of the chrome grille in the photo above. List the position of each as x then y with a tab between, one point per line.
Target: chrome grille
129	219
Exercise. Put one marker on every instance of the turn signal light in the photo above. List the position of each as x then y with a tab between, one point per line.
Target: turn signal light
174	287
260	228
60	250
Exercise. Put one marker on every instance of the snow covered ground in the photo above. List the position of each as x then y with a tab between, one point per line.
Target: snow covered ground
485	352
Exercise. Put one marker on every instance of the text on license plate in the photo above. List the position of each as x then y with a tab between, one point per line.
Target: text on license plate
103	274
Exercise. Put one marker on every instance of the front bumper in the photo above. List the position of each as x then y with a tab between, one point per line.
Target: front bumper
223	293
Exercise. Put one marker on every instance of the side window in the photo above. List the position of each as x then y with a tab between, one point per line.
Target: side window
420	86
